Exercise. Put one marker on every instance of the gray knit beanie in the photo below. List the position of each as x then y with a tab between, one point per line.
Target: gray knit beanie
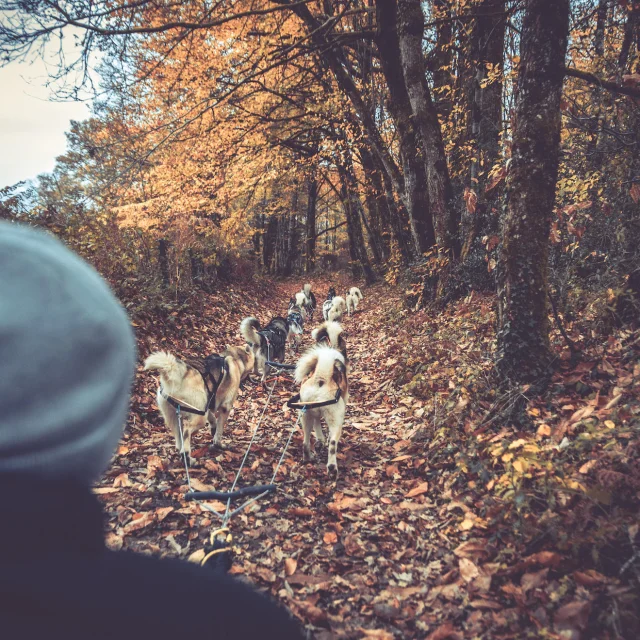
67	355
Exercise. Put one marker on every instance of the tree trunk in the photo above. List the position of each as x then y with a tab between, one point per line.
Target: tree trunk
352	205
486	50
446	216
291	245
312	199
399	219
627	41
269	243
414	192
523	340
333	57
443	58
163	259
601	23
374	240
377	204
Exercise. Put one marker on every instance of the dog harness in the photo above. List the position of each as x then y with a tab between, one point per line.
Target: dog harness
295	318
205	369
294	402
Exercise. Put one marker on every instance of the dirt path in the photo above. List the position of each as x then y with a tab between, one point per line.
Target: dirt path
334	551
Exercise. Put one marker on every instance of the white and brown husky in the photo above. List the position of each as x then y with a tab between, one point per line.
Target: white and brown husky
205	389
321	372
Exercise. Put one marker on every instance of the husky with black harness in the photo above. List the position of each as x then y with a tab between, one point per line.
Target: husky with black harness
268	344
295	321
198	392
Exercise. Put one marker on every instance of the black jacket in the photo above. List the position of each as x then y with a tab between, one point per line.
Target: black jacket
58	580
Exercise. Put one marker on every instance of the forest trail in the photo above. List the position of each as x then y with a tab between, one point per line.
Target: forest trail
339	553
410	540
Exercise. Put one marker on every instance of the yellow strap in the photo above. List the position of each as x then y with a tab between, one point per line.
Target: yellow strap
213	553
217	532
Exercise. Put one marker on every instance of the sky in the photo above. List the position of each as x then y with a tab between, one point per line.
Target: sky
32	124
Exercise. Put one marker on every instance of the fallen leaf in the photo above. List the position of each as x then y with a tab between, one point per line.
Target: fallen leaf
330	537
484	603
163	512
154	464
444	632
590	578
122	480
301	512
468	570
290	565
377	633
266	574
573	615
422	488
533	580
587	466
198	485
139	521
475	549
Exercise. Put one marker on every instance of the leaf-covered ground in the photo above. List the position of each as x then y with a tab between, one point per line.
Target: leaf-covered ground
450	518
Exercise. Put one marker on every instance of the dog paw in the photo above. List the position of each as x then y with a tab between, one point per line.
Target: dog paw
192	462
332	470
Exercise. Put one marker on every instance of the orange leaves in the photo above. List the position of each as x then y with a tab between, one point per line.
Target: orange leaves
470	200
419	490
330	537
154	465
139	521
301	512
290	566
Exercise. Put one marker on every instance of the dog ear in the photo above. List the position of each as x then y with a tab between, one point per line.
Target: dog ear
338	371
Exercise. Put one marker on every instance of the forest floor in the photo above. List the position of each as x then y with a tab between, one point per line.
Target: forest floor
448	518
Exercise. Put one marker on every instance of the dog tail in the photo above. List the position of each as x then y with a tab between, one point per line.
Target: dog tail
329	331
169	366
319	360
249	328
307	290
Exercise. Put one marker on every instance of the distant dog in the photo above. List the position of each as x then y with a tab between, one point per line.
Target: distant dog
311	305
354	291
352	303
338	307
209	385
301	301
332	334
268	343
295	322
328	303
320	373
